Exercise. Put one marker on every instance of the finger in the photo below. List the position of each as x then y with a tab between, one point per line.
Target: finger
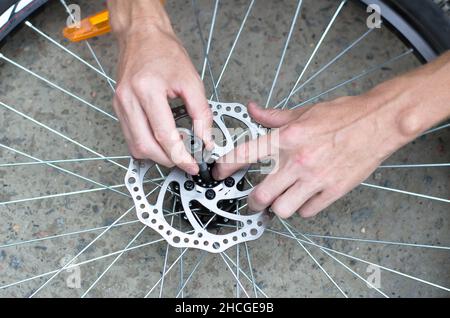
198	109
243	155
271	118
316	204
326	198
137	131
165	132
290	201
270	189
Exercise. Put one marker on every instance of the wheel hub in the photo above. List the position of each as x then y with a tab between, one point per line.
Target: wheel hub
206	204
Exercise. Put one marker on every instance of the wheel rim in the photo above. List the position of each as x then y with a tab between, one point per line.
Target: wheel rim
247	280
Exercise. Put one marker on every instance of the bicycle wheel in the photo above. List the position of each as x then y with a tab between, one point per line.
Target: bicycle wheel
69	227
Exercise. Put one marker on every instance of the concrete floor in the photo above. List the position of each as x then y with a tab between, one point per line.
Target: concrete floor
281	266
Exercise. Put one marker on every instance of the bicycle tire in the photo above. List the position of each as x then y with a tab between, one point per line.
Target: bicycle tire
13	12
420	22
24	17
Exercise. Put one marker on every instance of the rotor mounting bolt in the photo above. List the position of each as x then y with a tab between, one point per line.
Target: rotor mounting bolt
210	194
229	182
189	185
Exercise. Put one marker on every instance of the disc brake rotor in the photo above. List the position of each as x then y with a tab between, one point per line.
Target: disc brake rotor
200	200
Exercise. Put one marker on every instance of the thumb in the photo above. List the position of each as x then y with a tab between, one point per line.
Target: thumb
271	118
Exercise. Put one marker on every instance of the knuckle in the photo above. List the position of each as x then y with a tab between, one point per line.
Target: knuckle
280	209
206	112
140	151
161	135
138	83
302	159
207	115
202	113
197	83
290	133
122	94
261	197
141	83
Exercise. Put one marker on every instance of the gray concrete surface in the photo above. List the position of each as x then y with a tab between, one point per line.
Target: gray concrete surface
281	266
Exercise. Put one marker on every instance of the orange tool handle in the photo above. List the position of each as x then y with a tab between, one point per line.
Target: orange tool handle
95	25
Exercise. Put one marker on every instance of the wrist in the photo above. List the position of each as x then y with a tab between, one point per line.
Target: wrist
137	17
394	114
422	98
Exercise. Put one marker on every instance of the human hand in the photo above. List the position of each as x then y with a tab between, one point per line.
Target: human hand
323	152
154	66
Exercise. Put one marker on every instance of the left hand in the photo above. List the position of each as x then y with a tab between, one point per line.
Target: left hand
324	152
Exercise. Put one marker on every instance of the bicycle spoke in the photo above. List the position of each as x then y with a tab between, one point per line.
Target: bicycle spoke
47	37
377	241
95	229
206	47
161	287
436	129
314	259
45	162
179	257
250	266
86	247
357	77
329	64
244	274
237	256
398	191
234	275
60	134
211	32
180	219
96	59
394	166
360	239
283	54
82	263
188	266
80	253
166	272
65	194
405	192
88	45
54	85
233	46
199	262
85	262
113	262
316	49
341	263
366	262
62	169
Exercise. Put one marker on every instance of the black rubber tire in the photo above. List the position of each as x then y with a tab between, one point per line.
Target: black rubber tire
428	19
423	16
14	18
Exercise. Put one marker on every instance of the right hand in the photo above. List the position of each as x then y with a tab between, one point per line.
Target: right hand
154	66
